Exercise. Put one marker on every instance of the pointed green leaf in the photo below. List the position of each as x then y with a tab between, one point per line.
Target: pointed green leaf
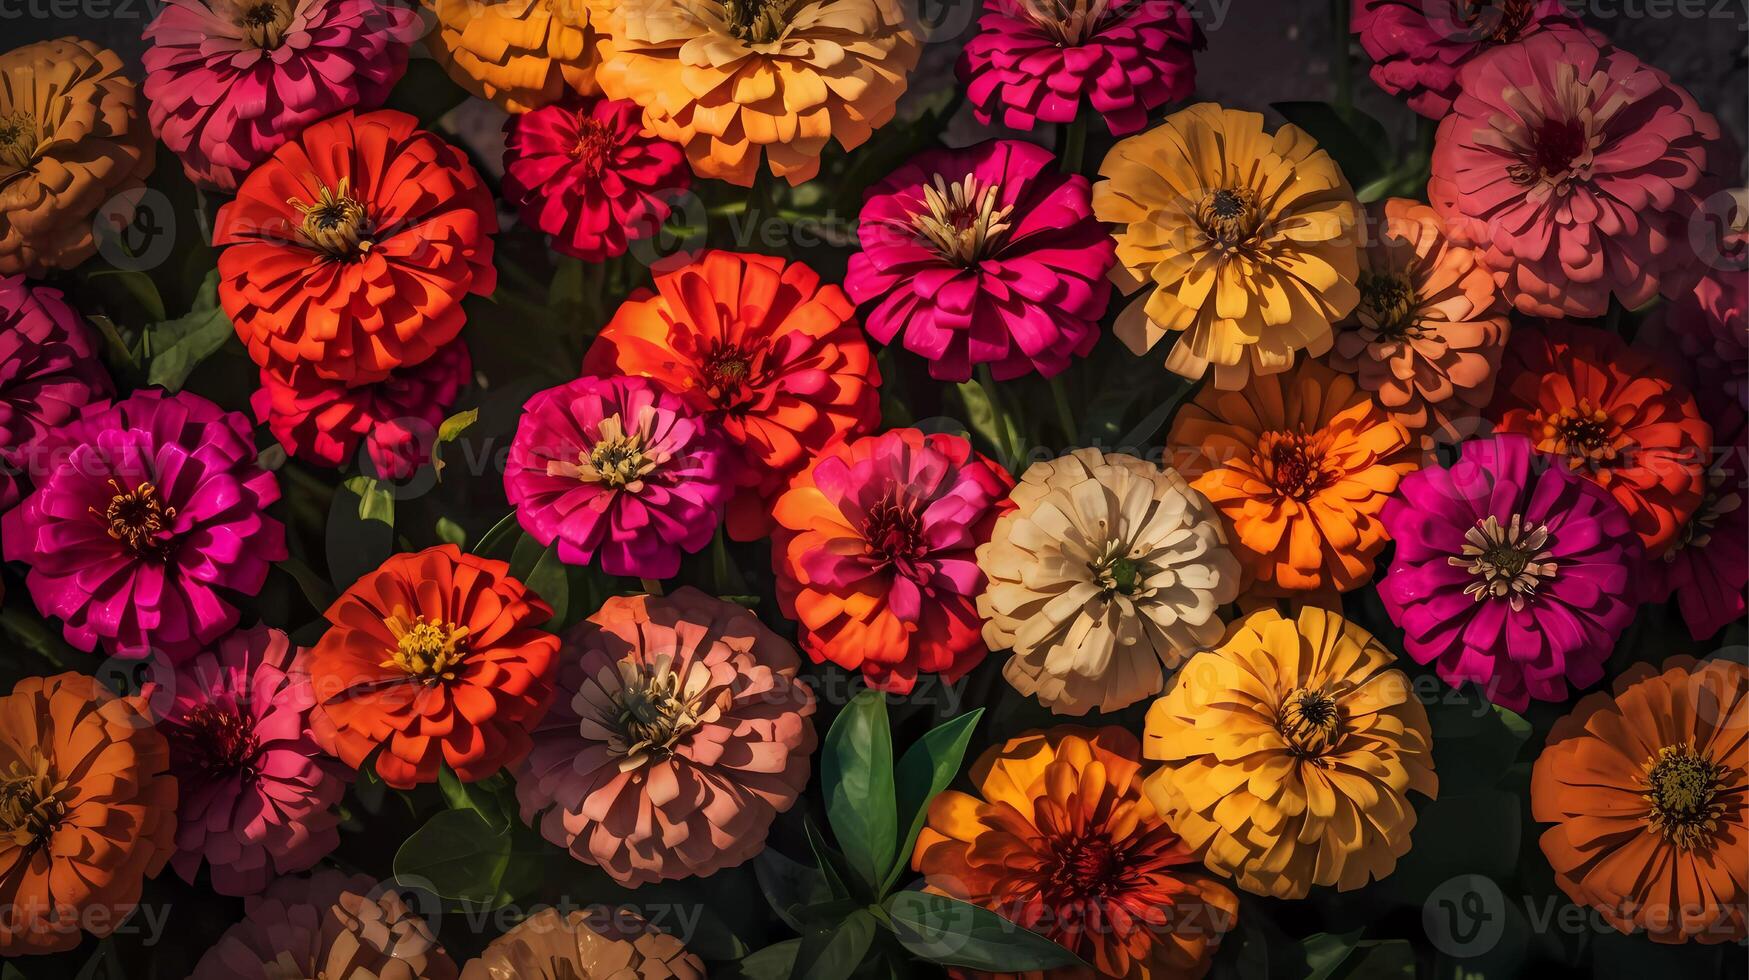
954	933
835	952
924	770
856	771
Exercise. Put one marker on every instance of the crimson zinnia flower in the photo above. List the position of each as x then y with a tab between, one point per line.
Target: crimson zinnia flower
49	371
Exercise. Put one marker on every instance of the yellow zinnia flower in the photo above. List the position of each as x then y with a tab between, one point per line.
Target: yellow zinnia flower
1287	754
1249	242
520	54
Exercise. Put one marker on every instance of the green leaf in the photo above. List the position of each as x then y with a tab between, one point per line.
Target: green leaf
790	887
122	355
856	771
774	962
1325	951
926	769
459	856
549	579
834	953
449	431
314	587
176	347
954	933
503	536
1356	141
449	532
830	861
477	797
361	530
138	290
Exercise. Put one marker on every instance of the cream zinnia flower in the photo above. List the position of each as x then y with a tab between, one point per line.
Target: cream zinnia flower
1108	570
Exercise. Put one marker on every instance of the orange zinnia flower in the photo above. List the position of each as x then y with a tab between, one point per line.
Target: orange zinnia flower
1648	794
521	54
435	657
87	811
1064	842
769	355
1299	465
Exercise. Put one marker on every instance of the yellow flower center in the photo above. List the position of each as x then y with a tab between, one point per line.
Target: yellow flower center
1229	217
30	805
757	21
1684	790
961	220
618	459
1388	306
138	519
427	649
335	222
1068	22
263	22
1581	432
655	708
1311	721
1510	561
18	141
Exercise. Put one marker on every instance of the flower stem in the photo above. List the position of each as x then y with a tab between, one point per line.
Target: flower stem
1075	144
1065	414
999	416
652	585
1339	14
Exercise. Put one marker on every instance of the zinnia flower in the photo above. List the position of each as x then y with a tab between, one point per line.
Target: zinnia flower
1510	572
323	422
150	510
1709	325
519	54
1288	753
75	152
1107	573
1243	242
680	732
1036	61
619	944
729	81
875	554
437	658
986	255
328	925
87	811
1574	182
585	173
617	467
1427	336
1418	46
256	794
1706	568
353	247
1613	415
227	82
1299	466
50	370
1060	839
1648	796
768	355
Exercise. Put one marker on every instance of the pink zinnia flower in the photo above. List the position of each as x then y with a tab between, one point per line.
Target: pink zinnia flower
1037	60
227	83
322	421
1707	566
1510	572
587	174
679	733
49	371
1418	46
617	467
983	255
256	795
1575	170
151	510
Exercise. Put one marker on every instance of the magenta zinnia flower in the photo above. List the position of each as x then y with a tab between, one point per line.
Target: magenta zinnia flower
587	174
1417	46
1574	170
1707	566
322	421
49	371
152	508
617	467
257	795
1510	572
983	255
1036	61
227	83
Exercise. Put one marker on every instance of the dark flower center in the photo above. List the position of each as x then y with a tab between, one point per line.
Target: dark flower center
17	141
1388	305
1715	503
726	369
1508	561
335	223
139	520
1495	21
1555	145
1070	23
428	650
595	144
1292	463
30	804
1582	432
1311	721
961	220
1088	867
1684	789
217	740
264	23
894	532
1229	217
757	21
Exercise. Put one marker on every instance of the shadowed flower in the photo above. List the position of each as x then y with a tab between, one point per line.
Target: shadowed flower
1061	840
1427	336
150	511
1706	568
583	945
679	733
49	371
229	81
1510	572
1709	325
256	794
1574	170
875	554
618	468
1036	61
986	255
1418	46
519	54
352	248
1107	573
764	352
1647	793
87	811
732	80
75	151
1288	754
438	659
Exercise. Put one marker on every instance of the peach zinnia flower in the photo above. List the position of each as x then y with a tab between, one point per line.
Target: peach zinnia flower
87	811
1061	839
732	80
1243	242
1427	335
1289	752
75	150
1299	465
520	54
617	944
436	658
1648	796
